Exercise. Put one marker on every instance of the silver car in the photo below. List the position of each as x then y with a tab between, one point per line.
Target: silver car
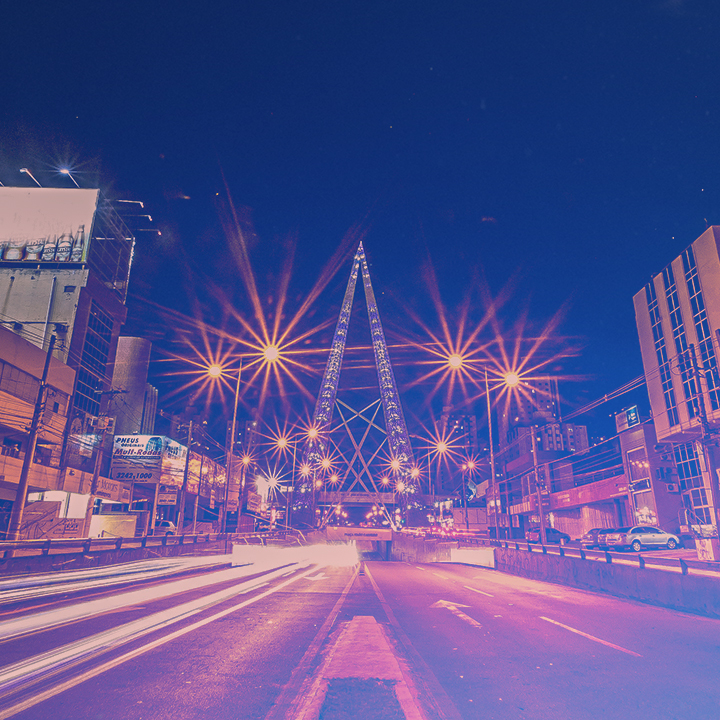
639	537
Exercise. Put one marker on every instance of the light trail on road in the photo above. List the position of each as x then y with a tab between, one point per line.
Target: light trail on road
29	671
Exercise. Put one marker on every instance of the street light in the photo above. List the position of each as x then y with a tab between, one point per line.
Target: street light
468	468
283	443
30	175
216	371
510	380
65	171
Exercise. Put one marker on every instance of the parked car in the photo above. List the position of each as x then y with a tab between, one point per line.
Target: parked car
641	536
165	527
595	538
552	535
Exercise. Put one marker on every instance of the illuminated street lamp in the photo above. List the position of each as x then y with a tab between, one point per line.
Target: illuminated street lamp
216	371
30	175
65	171
510	380
468	468
283	444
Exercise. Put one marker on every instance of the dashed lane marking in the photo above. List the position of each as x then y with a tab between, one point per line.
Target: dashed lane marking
591	637
482	592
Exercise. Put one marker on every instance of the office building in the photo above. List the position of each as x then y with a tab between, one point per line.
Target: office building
678	319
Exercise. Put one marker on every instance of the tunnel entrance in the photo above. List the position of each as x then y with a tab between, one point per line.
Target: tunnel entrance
371	543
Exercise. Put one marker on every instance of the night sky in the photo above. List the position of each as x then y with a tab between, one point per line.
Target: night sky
569	148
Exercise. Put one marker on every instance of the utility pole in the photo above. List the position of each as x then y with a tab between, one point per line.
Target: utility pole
543	534
21	495
104	424
230	454
465	475
493	479
711	548
183	490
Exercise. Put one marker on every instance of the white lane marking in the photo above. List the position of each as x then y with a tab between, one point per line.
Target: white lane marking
467	587
420	568
319	576
110	664
444	577
591	637
454	608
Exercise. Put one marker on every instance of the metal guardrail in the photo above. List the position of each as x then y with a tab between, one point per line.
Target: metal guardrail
30	548
682	565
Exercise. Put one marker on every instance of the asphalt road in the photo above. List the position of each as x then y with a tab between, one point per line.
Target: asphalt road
382	640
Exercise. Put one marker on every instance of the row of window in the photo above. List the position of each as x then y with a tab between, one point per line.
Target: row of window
21	384
687	354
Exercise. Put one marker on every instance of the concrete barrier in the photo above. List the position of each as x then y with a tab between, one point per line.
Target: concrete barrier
481	556
408	548
693	593
676	590
82	561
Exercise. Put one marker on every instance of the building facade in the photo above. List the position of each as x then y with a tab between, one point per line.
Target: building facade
65	258
678	321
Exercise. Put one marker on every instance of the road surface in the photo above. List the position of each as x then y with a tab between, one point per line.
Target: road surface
378	640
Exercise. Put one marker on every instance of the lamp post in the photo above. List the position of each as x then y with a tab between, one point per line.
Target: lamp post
282	443
468	468
510	380
216	371
231	449
493	479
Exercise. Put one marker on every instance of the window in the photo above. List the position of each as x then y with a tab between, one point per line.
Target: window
661	353
687	376
702	328
18	383
93	363
691	482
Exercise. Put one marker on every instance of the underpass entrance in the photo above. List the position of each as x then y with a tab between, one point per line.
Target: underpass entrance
371	543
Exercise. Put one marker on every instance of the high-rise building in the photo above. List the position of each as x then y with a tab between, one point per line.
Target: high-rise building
534	402
133	403
65	257
678	321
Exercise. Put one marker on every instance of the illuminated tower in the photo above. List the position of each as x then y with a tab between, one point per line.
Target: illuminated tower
358	476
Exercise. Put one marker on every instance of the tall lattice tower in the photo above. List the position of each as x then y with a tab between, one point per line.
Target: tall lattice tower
340	462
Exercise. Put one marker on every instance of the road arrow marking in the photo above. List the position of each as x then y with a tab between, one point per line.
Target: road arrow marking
319	576
454	608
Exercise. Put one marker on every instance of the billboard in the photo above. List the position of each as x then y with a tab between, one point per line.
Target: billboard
39	225
148	459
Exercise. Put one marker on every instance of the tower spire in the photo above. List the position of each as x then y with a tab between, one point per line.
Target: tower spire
319	440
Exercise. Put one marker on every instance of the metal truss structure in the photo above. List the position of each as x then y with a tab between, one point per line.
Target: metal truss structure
357	429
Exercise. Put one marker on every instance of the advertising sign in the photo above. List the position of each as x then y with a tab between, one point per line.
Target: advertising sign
233	491
148	459
168	497
194	472
633	416
254	502
46	225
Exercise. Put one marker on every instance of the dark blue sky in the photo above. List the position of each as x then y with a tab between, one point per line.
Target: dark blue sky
574	144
